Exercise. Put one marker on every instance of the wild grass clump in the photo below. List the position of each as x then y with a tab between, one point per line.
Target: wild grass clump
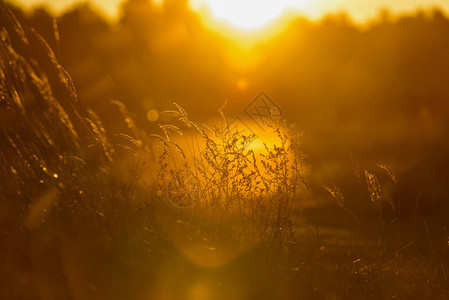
41	127
59	192
49	141
216	172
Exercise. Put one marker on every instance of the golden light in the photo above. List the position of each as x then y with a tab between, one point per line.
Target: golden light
249	14
248	21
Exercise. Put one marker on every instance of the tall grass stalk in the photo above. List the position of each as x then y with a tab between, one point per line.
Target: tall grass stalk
220	173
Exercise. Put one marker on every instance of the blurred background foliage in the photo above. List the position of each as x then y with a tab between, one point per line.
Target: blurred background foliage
364	94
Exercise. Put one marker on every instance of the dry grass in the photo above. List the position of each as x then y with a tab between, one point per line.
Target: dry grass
221	176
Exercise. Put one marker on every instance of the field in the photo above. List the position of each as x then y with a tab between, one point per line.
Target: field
100	199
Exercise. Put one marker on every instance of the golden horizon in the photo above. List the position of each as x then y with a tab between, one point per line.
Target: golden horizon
358	11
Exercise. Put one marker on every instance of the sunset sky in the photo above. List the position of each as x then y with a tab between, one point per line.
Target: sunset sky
359	10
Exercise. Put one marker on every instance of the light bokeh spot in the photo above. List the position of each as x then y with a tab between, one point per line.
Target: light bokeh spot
152	115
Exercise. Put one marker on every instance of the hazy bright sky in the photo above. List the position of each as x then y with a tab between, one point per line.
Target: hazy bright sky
359	10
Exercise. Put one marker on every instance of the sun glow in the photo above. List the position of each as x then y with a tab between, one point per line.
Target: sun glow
249	14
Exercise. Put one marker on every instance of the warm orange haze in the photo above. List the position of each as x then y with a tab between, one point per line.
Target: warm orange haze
249	12
212	149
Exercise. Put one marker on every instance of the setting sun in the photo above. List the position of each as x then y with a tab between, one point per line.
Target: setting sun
248	14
